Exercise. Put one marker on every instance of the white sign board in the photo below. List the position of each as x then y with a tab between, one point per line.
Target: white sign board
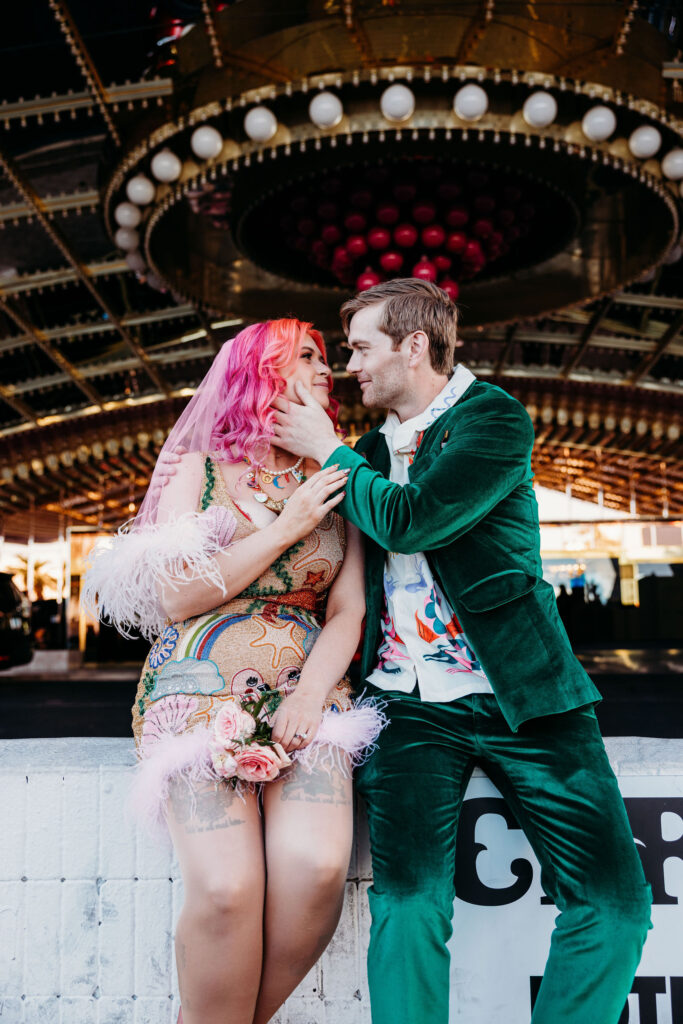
503	922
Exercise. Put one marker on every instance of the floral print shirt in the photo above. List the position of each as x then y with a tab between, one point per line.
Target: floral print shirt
422	640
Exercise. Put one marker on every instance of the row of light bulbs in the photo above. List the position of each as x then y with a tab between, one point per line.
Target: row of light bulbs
611	421
546	413
397	105
53	462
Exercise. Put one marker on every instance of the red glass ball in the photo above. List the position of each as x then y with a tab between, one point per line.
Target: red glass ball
327	211
361	198
456	241
424	213
391	261
404	192
306	226
405	235
484	204
448	191
319	249
433	236
473	253
442	263
506	217
379	238
496	238
457	216
450	287
368	279
341	259
330	234
387	213
356	245
355	223
483	228
425	270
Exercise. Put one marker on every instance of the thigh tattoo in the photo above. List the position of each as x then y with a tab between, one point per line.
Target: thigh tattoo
205	808
321	787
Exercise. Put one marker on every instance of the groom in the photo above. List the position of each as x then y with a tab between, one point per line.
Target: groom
463	636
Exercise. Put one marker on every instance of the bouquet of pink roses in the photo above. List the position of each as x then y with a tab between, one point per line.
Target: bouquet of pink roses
242	748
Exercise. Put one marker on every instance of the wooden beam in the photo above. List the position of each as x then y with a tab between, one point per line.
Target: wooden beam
27	191
53	353
670	335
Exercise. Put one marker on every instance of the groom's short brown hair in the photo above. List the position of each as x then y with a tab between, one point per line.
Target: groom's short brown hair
412	305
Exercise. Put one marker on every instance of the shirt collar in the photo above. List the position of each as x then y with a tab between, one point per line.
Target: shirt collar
401	436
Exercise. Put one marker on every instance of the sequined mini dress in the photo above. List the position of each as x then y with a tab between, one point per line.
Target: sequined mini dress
260	638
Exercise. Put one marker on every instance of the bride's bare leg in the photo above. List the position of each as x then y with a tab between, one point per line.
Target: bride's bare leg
309	828
219	843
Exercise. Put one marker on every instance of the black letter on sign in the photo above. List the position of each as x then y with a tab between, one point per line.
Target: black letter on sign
645	815
646	989
468	885
676	998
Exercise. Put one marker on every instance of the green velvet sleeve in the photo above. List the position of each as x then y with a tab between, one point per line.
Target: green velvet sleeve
487	456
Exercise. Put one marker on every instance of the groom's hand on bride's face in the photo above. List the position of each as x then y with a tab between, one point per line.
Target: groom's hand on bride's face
304	429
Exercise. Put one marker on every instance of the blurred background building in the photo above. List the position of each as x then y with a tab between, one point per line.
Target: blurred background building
174	170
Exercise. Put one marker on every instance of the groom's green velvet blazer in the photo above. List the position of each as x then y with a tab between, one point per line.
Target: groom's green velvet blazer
470	507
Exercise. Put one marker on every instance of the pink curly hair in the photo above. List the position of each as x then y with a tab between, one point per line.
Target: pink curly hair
257	359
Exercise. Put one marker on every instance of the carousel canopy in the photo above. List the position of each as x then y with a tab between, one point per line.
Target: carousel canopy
174	170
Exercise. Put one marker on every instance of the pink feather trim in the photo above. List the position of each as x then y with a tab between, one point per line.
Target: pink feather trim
344	739
183	756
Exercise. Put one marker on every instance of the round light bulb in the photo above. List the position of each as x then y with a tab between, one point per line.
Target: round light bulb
672	165
127	215
140	190
325	110
166	166
471	102
206	142
135	261
397	103
598	123
260	124
645	141
540	110
127	238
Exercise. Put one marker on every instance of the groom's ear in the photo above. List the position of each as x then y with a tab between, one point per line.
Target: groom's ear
418	347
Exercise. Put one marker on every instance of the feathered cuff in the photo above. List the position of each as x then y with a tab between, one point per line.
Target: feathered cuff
126	572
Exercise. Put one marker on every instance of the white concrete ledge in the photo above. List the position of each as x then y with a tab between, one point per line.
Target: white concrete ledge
88	903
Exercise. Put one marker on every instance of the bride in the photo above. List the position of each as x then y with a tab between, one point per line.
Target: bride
252	586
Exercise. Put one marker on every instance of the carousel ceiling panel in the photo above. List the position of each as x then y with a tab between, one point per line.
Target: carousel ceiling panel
571	293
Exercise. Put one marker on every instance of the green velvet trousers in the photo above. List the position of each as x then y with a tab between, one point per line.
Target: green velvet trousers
556	778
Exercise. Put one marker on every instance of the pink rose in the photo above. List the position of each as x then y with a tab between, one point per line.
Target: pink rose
232	724
224	763
256	763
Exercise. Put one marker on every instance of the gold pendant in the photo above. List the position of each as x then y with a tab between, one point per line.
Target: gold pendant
266	477
274	505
